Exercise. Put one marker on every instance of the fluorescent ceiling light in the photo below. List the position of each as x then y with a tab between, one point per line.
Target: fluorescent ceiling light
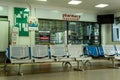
101	5
74	2
41	0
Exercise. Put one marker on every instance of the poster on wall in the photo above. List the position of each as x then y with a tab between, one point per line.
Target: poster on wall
33	23
21	20
44	37
15	33
116	29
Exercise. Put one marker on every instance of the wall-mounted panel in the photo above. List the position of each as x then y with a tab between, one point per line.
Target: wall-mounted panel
3	35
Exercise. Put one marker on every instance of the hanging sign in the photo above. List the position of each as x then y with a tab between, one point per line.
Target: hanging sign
21	20
33	23
70	17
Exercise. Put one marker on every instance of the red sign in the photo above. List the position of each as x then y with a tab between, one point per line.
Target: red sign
70	17
44	38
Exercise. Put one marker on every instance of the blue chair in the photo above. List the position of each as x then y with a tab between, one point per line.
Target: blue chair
92	51
100	50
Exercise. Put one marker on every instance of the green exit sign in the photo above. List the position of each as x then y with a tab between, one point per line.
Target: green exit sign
21	20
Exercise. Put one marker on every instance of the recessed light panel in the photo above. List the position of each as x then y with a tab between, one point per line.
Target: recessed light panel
101	5
75	2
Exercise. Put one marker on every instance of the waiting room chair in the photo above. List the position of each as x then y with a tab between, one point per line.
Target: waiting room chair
40	53
19	54
59	54
76	53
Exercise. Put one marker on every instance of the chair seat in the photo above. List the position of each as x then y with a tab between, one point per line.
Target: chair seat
64	59
83	58
117	57
16	61
44	60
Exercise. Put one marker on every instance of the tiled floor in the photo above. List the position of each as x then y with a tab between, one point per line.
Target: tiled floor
101	74
35	68
100	70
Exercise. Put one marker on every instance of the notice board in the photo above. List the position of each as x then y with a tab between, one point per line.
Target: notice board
4	26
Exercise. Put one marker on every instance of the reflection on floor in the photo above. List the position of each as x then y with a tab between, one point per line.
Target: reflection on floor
99	70
100	74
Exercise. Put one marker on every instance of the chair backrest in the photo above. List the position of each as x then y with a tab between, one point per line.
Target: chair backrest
100	50
92	51
109	49
19	52
39	51
58	50
117	49
75	50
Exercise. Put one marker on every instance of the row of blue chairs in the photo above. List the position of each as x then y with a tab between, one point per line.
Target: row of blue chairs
102	51
94	51
111	52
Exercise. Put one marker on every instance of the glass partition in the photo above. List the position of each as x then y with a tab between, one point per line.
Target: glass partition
67	32
75	33
56	29
83	33
91	33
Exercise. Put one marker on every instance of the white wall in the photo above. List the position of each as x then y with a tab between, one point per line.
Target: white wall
10	11
57	14
106	32
3	10
43	12
117	14
103	34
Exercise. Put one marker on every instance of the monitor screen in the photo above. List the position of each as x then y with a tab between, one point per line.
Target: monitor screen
105	19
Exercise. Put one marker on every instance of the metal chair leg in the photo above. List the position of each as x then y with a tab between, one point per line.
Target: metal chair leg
67	66
20	71
78	66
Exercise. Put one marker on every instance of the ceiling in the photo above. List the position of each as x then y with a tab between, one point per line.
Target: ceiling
114	5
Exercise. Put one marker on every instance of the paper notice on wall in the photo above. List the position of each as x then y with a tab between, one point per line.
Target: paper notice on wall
15	33
33	23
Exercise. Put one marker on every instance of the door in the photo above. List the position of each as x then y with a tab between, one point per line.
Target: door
3	35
